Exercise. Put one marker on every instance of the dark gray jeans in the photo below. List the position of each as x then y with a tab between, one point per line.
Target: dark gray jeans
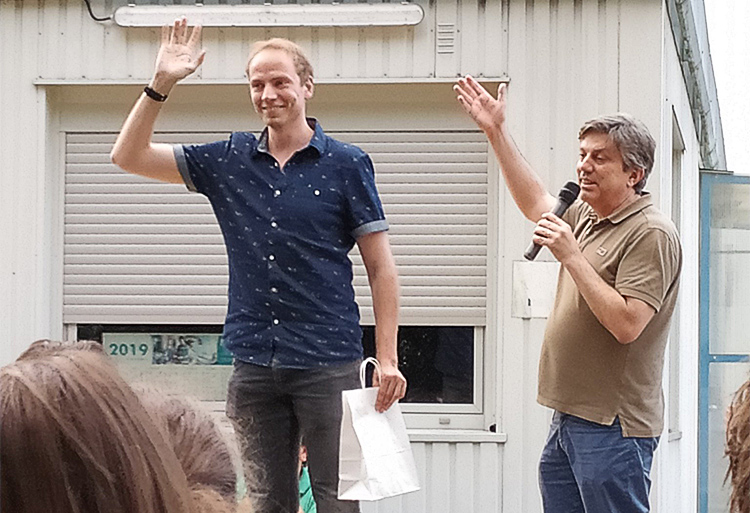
270	409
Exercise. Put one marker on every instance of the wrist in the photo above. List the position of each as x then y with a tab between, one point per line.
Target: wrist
388	360
498	134
162	85
572	260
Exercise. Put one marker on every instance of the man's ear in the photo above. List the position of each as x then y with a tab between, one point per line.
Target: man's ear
309	88
636	175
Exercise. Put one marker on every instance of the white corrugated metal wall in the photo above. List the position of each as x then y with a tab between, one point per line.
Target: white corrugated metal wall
678	447
28	224
96	52
567	60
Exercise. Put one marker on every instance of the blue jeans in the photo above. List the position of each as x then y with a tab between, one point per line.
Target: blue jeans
270	409
591	468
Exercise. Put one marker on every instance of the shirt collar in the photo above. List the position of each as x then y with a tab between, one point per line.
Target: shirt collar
318	140
643	201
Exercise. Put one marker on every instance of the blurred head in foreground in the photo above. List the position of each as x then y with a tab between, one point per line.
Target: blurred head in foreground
201	448
75	438
738	450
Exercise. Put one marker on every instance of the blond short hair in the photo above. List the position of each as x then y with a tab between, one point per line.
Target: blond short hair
301	63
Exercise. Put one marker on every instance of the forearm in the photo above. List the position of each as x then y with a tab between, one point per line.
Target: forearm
611	309
527	189
385	302
134	139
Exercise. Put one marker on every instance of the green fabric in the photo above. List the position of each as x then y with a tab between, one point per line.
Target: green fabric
306	499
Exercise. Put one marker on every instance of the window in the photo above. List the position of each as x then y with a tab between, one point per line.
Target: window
441	364
443	368
437	361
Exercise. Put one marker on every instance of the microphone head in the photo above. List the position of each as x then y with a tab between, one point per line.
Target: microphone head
569	193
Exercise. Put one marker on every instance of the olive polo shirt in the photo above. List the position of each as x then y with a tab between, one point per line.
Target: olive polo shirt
583	370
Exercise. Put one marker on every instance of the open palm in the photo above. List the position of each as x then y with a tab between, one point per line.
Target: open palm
180	54
486	111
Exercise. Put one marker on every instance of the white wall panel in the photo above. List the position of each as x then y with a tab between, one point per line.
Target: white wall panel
676	491
566	65
456	477
28	295
79	49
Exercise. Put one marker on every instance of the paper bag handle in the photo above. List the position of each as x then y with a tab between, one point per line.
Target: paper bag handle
363	368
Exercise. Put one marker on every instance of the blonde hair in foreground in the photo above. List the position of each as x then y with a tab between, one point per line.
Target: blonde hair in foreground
202	449
76	439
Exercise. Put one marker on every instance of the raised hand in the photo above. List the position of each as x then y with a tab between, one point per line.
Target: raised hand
487	112
179	55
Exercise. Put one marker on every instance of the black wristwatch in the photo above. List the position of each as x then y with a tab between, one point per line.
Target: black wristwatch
157	97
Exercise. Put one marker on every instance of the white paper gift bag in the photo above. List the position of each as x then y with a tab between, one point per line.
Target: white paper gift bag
375	459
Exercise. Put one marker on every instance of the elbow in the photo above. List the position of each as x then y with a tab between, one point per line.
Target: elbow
625	339
627	334
117	158
124	158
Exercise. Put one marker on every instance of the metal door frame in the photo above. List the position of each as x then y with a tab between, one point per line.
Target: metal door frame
706	358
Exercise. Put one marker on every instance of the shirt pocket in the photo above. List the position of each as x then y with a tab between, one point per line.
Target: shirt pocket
310	207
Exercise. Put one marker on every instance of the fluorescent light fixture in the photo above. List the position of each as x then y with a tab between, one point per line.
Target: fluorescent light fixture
285	15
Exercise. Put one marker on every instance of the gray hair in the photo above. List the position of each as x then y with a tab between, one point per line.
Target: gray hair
631	137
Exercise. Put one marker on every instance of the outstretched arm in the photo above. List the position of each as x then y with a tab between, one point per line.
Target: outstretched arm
488	113
179	56
383	278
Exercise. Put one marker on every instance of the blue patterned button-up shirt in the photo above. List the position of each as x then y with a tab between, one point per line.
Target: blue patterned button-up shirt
288	234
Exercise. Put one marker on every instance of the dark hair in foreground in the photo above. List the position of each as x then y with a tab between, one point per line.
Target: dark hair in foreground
632	138
76	439
738	450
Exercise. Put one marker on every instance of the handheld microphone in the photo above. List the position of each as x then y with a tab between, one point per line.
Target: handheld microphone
565	198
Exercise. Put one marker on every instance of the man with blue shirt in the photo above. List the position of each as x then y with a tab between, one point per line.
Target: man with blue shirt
291	204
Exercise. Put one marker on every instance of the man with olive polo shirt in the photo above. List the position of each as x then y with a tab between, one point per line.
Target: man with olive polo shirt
291	204
603	352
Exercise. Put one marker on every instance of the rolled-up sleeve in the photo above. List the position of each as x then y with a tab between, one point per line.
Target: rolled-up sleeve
365	209
197	162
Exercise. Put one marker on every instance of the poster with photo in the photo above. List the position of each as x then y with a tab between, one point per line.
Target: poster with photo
193	364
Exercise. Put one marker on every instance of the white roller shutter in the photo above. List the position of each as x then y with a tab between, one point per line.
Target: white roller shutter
139	251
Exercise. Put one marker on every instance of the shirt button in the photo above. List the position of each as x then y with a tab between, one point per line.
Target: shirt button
274	290
276	193
275	164
275	321
273	224
271	257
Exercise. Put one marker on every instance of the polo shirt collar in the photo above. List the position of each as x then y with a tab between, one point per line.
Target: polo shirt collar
623	213
318	140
